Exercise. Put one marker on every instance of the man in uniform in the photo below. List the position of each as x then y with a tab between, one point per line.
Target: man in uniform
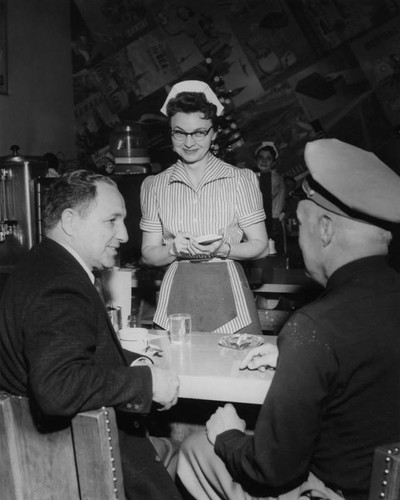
335	393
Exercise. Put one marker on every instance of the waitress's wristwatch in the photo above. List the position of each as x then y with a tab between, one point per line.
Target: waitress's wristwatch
224	254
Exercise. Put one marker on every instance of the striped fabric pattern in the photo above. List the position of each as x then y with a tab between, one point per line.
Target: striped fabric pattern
227	199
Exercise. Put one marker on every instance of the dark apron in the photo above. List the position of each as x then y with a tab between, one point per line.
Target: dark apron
204	290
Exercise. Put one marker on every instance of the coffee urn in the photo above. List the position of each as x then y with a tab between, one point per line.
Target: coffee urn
128	148
18	226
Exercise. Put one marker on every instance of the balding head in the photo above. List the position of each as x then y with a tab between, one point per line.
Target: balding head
329	241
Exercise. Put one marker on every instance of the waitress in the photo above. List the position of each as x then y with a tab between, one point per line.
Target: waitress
201	195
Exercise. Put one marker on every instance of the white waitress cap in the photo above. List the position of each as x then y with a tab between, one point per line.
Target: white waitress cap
266	144
193	86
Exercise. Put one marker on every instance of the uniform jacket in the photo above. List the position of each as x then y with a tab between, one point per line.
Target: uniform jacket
335	392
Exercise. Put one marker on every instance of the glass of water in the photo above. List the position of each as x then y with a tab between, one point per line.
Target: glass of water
180	328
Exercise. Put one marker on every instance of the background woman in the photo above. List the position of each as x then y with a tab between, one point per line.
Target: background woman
201	195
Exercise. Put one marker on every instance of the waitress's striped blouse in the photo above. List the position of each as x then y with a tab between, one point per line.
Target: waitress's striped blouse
228	199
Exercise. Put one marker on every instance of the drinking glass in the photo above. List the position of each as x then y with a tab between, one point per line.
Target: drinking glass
115	315
180	328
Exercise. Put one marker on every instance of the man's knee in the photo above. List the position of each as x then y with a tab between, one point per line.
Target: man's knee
194	442
167	452
196	449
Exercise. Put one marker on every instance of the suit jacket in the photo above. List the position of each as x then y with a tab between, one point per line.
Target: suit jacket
58	347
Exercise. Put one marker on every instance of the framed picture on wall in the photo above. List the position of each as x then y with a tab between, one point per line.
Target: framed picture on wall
3	48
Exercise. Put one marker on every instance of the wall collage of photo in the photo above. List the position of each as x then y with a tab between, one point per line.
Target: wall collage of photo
285	70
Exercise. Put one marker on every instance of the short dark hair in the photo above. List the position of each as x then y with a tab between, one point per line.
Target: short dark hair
75	189
192	102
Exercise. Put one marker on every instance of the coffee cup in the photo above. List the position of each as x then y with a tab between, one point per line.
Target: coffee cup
134	339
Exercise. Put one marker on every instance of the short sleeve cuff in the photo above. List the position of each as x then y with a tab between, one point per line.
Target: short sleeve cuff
150	226
253	218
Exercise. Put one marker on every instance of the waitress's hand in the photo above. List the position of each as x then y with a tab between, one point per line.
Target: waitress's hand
198	249
181	243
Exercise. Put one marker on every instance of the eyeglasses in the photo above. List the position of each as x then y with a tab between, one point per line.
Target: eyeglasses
198	135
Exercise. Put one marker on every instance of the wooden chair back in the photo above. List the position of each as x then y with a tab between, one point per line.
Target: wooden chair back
81	461
385	478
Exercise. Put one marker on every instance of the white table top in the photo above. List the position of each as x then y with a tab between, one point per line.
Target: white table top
211	372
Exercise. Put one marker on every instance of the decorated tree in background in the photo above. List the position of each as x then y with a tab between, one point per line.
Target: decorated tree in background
229	136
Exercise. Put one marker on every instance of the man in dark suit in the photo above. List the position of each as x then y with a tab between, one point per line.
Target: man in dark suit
57	345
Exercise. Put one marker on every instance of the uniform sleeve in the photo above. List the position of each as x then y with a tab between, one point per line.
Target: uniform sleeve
249	202
150	220
288	426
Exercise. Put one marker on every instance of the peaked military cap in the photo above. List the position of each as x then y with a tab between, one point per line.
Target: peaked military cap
351	182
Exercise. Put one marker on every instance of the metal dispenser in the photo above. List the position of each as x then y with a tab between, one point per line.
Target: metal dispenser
17	205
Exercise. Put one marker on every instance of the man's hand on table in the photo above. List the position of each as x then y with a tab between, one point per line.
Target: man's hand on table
224	419
165	387
261	358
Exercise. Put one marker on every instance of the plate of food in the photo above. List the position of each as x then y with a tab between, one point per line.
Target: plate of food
207	239
241	341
